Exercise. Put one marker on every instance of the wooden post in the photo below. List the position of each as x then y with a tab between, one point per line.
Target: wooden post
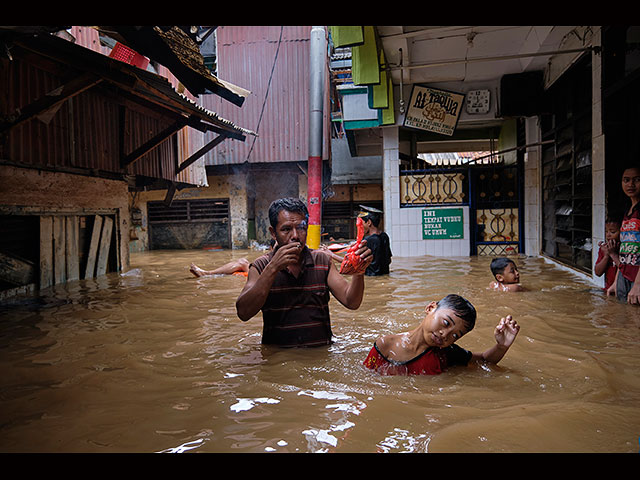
105	244
72	258
46	251
93	247
59	262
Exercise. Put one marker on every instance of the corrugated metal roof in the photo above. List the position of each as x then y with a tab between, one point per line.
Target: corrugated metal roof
91	119
278	107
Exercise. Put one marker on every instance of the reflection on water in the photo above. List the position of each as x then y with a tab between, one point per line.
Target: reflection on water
155	360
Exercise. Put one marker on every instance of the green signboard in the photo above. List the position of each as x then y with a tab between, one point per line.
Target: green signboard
442	223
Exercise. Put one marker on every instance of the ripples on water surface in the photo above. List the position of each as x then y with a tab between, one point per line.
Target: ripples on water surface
155	360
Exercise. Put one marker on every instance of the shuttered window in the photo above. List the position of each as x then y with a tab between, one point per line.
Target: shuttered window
189	211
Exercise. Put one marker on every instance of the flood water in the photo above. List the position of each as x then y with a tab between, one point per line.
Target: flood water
156	360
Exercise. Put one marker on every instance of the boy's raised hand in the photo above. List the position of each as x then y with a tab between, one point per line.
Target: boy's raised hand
506	331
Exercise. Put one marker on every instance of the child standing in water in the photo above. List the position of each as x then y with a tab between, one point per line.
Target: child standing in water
430	348
608	259
506	274
627	284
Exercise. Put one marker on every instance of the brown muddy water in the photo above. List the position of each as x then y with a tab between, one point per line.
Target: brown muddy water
155	360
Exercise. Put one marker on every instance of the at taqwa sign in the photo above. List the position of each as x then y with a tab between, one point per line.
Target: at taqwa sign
433	110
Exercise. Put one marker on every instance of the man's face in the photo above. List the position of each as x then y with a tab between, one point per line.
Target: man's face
291	228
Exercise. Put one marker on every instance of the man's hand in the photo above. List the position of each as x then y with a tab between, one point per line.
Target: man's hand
286	255
365	254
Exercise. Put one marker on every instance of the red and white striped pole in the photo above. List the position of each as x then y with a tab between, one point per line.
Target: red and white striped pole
317	62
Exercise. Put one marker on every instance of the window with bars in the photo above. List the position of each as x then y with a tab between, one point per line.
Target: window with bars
189	211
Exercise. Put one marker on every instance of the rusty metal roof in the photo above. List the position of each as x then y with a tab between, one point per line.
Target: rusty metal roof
141	83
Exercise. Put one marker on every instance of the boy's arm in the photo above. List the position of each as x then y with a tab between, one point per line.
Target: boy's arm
505	334
613	288
350	293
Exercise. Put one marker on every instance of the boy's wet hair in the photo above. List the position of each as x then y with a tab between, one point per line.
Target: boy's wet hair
294	205
461	307
499	264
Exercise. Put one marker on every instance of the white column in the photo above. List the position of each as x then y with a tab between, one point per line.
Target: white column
598	211
391	189
532	190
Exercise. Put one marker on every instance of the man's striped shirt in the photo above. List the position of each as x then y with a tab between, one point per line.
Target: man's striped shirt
296	312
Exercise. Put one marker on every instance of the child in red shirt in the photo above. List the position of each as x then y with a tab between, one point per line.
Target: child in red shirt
608	259
429	349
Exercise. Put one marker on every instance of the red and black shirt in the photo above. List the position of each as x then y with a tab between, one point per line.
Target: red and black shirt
430	362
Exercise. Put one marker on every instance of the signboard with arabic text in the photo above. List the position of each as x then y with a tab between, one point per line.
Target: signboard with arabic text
433	110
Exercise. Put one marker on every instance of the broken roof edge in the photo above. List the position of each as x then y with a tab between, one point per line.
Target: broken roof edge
174	49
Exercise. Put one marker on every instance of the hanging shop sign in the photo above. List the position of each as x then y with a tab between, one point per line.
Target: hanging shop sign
442	223
434	110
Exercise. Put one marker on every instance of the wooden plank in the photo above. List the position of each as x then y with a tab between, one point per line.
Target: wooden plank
46	251
161	137
59	248
194	158
72	257
105	245
93	247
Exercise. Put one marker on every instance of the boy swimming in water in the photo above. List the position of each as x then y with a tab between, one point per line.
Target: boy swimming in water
430	348
505	271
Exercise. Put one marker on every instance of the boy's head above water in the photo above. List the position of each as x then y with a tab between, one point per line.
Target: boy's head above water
461	307
505	270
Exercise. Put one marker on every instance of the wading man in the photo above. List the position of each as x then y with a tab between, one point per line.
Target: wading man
291	283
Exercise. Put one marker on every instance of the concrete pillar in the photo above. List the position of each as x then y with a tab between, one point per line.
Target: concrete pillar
598	210
532	189
391	189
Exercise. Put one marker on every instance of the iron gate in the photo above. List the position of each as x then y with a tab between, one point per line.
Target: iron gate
494	193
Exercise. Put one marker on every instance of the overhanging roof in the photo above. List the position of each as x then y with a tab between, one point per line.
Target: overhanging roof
172	47
139	84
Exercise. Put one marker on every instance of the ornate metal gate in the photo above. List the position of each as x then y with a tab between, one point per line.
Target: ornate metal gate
493	192
496	203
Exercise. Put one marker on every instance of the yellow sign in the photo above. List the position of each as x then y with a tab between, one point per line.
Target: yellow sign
434	110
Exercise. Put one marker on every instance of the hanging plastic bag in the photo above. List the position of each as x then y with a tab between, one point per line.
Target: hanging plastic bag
352	263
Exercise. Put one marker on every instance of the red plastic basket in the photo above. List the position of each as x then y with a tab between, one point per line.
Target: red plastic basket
127	55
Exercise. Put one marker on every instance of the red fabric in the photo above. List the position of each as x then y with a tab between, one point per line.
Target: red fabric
427	363
610	272
352	263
